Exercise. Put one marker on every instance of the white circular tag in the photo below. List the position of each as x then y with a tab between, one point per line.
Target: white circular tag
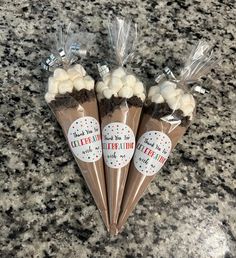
85	139
118	144
152	150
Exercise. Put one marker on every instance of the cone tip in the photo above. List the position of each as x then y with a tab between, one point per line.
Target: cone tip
113	229
105	218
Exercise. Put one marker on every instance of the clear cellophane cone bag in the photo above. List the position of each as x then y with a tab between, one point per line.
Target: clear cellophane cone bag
121	95
72	99
168	111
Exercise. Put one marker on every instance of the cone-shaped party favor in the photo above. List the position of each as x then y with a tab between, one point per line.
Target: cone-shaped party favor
72	99
121	97
168	112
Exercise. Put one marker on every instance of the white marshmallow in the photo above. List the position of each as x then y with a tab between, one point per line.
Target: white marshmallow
89	82
174	103
138	88
187	110
187	99
167	83
79	84
179	92
65	86
80	70
52	85
106	75
153	90
125	92
142	96
193	103
100	87
157	98
106	80
115	83
168	91
60	74
73	73
100	96
129	80
49	97
108	93
119	72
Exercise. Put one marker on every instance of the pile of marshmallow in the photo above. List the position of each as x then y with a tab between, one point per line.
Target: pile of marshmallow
64	81
174	97
120	84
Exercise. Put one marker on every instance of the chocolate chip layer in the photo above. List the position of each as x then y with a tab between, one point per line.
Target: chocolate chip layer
83	95
71	100
160	110
107	106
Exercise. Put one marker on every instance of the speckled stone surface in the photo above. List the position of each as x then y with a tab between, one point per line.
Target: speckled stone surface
45	207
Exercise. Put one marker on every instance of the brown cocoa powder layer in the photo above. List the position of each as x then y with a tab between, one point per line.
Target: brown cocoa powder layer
71	100
149	123
160	110
107	106
137	183
93	172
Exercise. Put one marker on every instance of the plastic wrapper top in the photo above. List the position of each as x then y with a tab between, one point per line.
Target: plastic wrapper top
199	63
123	37
172	96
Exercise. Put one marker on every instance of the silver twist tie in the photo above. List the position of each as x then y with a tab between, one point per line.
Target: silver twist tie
75	47
103	69
206	84
167	73
200	89
62	53
82	52
76	50
50	62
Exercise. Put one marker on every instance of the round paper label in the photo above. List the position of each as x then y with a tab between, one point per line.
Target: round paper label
118	144
152	150
85	139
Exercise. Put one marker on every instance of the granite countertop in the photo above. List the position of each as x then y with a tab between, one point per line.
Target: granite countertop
46	209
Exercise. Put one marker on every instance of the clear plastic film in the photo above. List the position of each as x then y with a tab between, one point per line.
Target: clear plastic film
199	63
123	38
168	112
71	97
121	95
